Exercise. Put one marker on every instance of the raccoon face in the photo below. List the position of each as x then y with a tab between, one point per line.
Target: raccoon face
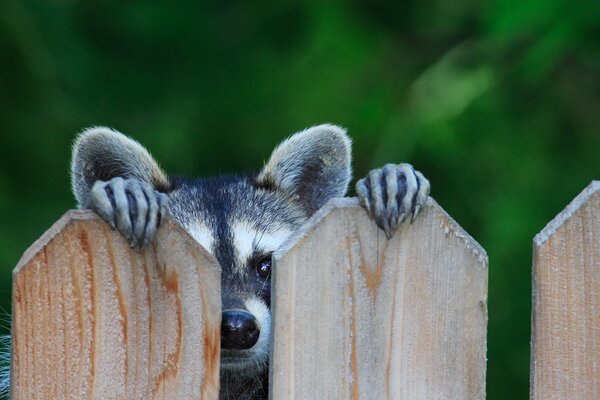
241	220
240	223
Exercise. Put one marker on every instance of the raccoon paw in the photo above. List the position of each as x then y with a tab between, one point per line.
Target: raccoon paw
392	193
131	206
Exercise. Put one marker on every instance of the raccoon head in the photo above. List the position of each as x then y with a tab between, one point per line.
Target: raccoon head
241	220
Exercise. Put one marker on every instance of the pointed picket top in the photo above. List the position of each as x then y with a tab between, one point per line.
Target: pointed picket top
565	333
52	232
593	189
96	319
356	315
446	223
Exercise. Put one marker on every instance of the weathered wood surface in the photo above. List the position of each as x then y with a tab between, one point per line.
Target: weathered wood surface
359	317
94	319
565	354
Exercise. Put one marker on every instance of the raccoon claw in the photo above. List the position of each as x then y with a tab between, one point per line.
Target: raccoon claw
391	194
159	203
415	212
131	206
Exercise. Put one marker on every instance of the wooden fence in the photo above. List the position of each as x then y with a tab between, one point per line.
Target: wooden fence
359	317
565	351
94	319
354	316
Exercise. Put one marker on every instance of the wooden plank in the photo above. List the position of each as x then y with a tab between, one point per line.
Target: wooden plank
94	319
565	354
360	317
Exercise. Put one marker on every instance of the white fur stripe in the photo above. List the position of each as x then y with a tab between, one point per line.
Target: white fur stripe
202	234
247	240
261	312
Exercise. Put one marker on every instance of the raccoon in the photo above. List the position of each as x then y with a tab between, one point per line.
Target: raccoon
239	219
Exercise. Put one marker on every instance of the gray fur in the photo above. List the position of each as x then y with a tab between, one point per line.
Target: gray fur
117	177
5	351
130	205
313	165
100	154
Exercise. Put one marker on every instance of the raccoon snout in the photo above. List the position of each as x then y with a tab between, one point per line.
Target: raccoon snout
239	330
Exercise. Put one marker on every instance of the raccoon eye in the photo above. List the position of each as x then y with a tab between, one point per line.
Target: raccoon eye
263	267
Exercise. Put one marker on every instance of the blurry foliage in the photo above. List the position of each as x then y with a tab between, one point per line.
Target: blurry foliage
497	102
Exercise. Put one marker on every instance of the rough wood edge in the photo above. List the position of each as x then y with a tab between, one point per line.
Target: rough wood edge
538	245
436	217
448	224
566	213
50	233
82	215
90	217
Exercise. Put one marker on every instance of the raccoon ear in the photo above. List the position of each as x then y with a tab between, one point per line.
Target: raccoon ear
312	166
101	153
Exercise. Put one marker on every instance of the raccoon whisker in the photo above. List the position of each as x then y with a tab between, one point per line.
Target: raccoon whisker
262	234
262	289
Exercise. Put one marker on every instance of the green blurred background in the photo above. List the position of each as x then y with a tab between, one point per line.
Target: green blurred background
497	102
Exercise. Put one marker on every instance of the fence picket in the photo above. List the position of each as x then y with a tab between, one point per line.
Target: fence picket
358	317
355	316
95	319
565	354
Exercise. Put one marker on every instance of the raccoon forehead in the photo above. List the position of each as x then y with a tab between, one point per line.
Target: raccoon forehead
248	239
272	210
233	198
235	220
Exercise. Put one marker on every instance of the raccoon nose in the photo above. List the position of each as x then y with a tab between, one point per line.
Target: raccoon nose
239	330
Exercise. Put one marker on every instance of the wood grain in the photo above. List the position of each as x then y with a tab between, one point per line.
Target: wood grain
565	356
94	319
359	317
